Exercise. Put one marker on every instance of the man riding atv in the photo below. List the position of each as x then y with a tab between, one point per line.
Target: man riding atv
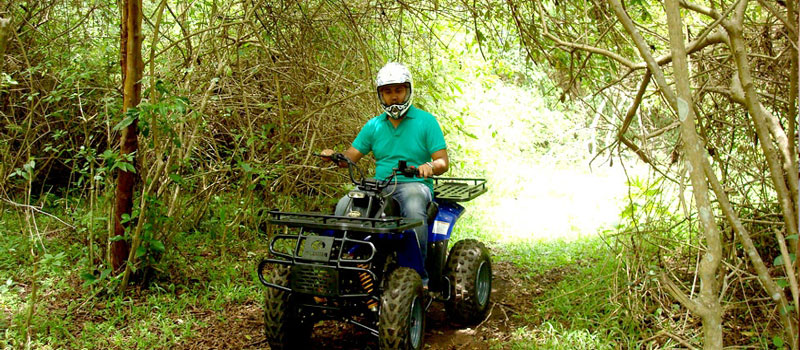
382	259
402	132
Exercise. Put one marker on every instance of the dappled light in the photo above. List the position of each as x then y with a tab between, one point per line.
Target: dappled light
545	183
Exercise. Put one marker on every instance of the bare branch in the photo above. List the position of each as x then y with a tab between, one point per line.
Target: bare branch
38	210
613	55
789	25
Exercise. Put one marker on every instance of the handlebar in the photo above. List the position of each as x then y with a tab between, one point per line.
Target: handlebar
402	169
405	170
338	158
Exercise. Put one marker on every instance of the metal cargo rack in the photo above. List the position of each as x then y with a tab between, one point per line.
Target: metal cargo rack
320	221
456	189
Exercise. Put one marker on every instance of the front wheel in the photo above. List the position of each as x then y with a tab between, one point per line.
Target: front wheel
469	268
283	326
401	321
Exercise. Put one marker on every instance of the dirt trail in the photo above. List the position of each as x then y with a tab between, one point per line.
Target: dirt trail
241	326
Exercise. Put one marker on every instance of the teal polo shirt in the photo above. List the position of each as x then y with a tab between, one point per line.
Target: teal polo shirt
414	140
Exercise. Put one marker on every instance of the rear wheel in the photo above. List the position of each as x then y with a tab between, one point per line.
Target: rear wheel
401	321
283	326
469	268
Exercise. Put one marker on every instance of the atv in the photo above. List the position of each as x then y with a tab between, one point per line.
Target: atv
364	267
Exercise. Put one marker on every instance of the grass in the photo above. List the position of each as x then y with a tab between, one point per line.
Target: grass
197	277
571	284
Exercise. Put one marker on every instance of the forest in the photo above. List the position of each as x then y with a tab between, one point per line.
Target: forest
640	158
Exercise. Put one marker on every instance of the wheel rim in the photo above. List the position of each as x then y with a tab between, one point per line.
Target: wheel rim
483	283
415	323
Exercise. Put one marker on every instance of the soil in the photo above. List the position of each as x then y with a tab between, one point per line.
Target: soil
241	326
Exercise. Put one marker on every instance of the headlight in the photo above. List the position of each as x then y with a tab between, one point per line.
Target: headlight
356	194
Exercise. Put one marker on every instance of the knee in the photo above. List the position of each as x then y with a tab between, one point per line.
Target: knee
416	206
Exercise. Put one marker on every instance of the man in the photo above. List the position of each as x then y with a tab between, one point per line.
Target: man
402	132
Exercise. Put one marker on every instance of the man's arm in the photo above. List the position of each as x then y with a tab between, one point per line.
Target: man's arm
437	166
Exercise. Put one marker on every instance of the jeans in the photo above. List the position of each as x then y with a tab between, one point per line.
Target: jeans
414	198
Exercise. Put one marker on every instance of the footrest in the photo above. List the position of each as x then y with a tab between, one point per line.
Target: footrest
458	189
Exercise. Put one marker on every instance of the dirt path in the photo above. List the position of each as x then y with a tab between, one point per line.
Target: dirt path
241	326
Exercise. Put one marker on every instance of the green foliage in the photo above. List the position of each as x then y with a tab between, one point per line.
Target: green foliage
26	172
578	308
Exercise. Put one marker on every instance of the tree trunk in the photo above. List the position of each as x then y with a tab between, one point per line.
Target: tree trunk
5	27
132	66
708	301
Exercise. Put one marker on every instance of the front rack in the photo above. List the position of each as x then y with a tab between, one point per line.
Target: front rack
320	221
318	261
456	189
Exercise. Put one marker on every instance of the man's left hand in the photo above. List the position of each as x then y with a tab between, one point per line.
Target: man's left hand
425	170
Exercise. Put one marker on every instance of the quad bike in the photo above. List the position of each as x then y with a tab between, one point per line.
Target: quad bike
364	267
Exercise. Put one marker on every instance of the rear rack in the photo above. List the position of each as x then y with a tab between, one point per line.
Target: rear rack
456	189
320	221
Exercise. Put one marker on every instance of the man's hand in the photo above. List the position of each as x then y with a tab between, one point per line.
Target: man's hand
328	153
351	153
425	170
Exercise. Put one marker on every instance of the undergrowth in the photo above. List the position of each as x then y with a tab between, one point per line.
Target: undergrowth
201	276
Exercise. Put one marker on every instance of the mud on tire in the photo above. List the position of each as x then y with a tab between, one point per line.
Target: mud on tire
401	321
282	326
469	268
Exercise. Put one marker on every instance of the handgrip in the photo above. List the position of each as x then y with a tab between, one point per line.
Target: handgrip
405	170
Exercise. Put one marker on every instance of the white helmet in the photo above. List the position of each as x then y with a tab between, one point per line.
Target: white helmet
395	73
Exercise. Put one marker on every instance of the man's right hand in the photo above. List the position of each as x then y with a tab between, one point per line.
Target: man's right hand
351	153
328	153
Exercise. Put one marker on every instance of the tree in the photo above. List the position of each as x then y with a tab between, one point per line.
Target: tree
132	67
4	29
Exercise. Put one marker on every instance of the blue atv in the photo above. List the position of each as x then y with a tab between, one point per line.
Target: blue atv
364	267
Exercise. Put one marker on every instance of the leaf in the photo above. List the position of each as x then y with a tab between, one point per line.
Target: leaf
176	178
130	115
246	167
778	260
160	87
777	341
141	251
117	238
157	246
782	283
125	166
29	167
467	133
792	237
107	154
88	276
